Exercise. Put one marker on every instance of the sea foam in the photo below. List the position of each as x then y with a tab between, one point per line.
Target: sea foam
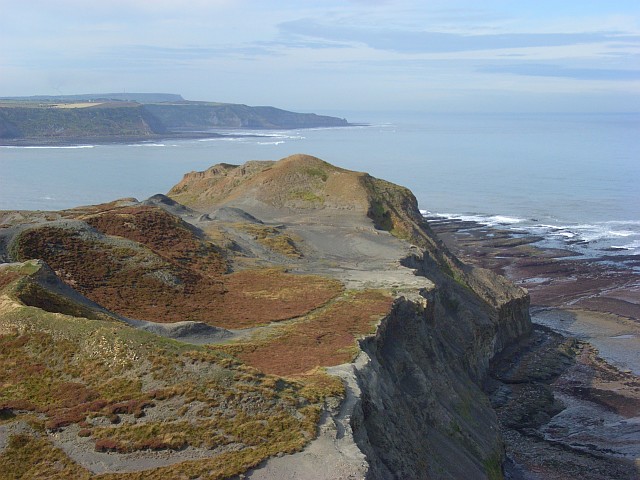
585	238
47	147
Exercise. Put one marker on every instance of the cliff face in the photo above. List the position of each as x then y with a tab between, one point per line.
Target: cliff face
104	117
194	115
288	268
422	413
126	120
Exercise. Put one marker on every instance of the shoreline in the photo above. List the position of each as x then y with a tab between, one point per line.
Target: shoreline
595	299
568	398
107	140
616	338
138	139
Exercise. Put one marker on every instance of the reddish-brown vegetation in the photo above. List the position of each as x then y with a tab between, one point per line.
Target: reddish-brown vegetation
133	282
168	275
165	234
255	297
7	276
327	339
135	407
30	385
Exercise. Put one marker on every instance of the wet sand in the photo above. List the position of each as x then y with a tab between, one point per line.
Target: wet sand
617	338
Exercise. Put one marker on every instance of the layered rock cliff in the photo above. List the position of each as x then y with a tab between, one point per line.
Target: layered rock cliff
285	269
422	412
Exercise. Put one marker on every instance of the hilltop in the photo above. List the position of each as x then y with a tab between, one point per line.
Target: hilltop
277	307
136	117
98	97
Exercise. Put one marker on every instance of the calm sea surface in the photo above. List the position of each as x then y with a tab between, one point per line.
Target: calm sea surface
573	178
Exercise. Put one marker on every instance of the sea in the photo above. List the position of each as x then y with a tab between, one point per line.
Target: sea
573	179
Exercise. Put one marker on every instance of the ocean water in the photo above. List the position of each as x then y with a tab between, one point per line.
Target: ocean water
574	179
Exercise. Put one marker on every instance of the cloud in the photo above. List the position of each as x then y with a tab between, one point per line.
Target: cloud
153	53
142	57
547	70
417	41
124	6
301	44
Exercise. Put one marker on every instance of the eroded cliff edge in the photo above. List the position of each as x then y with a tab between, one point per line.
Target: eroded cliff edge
287	262
420	410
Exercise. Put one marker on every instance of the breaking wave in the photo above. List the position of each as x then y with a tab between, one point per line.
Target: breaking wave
48	147
613	237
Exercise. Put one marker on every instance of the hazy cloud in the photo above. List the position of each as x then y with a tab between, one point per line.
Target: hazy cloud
546	70
350	54
407	41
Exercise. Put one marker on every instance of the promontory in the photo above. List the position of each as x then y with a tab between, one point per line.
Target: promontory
275	319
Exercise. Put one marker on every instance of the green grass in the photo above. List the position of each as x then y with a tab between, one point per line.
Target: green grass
307	196
317	172
493	466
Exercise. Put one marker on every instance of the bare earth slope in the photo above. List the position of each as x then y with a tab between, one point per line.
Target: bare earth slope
309	309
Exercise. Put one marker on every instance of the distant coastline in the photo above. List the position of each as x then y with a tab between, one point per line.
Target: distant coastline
137	118
108	140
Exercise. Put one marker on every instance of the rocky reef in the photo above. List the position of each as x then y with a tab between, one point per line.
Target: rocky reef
285	319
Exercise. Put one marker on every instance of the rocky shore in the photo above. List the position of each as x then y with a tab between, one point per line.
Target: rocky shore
568	398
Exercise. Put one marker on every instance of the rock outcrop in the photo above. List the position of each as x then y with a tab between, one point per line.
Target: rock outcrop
422	413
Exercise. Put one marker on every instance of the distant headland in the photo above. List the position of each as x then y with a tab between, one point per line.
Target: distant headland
136	117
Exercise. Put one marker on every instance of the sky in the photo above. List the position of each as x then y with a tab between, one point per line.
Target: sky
332	56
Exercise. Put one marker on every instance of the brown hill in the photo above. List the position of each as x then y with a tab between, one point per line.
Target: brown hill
298	182
302	184
302	189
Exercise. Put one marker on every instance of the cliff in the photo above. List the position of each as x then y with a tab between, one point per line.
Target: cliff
421	412
101	118
203	115
311	311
